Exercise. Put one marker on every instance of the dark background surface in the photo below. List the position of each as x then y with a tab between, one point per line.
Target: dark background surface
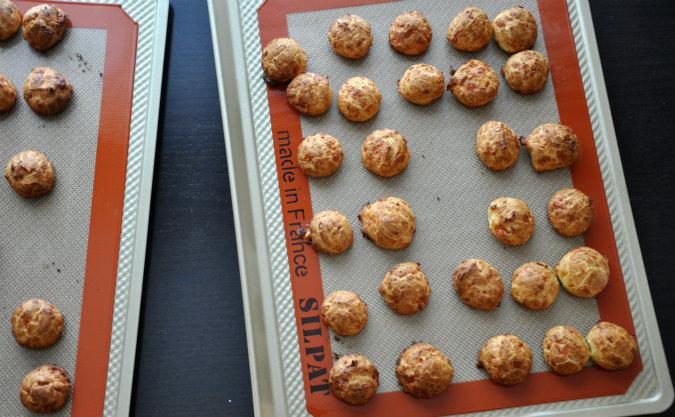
191	355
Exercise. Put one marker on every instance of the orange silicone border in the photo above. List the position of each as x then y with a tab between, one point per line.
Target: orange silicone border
305	272
107	199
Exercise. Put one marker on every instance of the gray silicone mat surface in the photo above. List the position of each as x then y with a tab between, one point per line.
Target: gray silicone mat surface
45	238
448	188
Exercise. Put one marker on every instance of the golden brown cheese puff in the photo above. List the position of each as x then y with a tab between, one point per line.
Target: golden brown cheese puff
421	84
526	71
511	220
46	90
319	155
478	284
353	379
497	145
612	347
30	173
423	371
345	312
10	19
565	350
474	83
37	324
515	29
309	94
359	99
552	146
329	232
44	25
506	358
7	94
534	285
405	288
283	59
350	36
410	33
389	222
583	272
570	211
45	389
385	152
470	30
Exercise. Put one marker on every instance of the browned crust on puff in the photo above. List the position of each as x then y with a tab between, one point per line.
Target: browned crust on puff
283	59
515	29
534	285
309	94
389	222
344	312
565	350
421	84
7	94
45	389
570	211
37	324
583	272
405	288
474	83
353	379
350	36
552	146
385	152
330	232
423	371
46	90
10	19
470	30
410	33
511	220
506	358
526	71
612	347
478	284
497	145
319	155
359	99
44	25
30	173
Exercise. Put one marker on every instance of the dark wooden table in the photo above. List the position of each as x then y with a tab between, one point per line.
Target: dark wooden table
191	356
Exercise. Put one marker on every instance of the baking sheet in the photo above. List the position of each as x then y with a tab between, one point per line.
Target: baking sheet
449	189
46	237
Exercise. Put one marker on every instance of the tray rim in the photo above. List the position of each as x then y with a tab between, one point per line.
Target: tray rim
248	204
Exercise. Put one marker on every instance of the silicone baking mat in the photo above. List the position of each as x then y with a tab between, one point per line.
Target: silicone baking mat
449	190
63	246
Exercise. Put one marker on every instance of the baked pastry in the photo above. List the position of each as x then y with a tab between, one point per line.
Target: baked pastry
410	33
10	19
534	285
345	312
385	152
309	93
46	90
570	211
421	84
389	222
583	272
283	59
478	284
565	350
353	379
497	145
359	99
506	358
329	232
511	220
7	93
30	173
515	29
405	288
526	71
37	324
423	371
470	30
319	155
45	389
44	25
552	146
612	347
350	36
474	83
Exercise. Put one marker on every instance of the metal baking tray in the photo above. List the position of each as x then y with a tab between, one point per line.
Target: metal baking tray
274	348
